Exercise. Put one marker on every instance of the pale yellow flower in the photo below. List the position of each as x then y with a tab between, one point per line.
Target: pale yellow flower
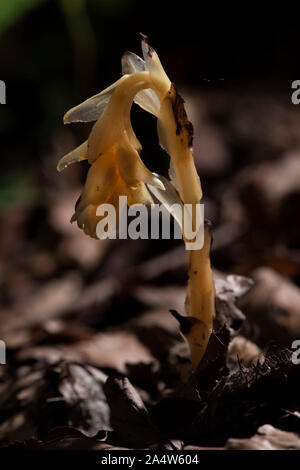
119	171
112	148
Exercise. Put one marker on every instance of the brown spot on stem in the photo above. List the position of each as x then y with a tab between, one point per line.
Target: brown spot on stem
181	119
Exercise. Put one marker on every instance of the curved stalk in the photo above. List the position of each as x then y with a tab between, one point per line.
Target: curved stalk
175	133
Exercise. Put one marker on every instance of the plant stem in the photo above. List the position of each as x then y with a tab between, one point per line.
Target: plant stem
175	135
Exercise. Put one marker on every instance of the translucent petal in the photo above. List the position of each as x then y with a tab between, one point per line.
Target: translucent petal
146	99
157	182
77	155
172	202
92	108
169	198
132	63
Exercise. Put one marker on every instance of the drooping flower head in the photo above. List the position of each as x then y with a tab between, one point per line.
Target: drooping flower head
113	151
112	148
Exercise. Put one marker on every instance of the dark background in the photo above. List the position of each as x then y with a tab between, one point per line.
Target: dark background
75	311
234	68
56	53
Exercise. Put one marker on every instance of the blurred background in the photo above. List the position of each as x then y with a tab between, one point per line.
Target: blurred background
105	304
235	73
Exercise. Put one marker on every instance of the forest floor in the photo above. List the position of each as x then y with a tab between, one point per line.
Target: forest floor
94	359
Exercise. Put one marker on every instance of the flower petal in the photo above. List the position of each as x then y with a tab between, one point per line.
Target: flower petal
146	99
157	73
100	182
172	202
109	128
92	108
87	220
131	167
132	63
169	198
140	195
77	155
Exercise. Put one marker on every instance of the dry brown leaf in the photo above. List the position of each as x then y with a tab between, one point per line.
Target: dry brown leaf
267	438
